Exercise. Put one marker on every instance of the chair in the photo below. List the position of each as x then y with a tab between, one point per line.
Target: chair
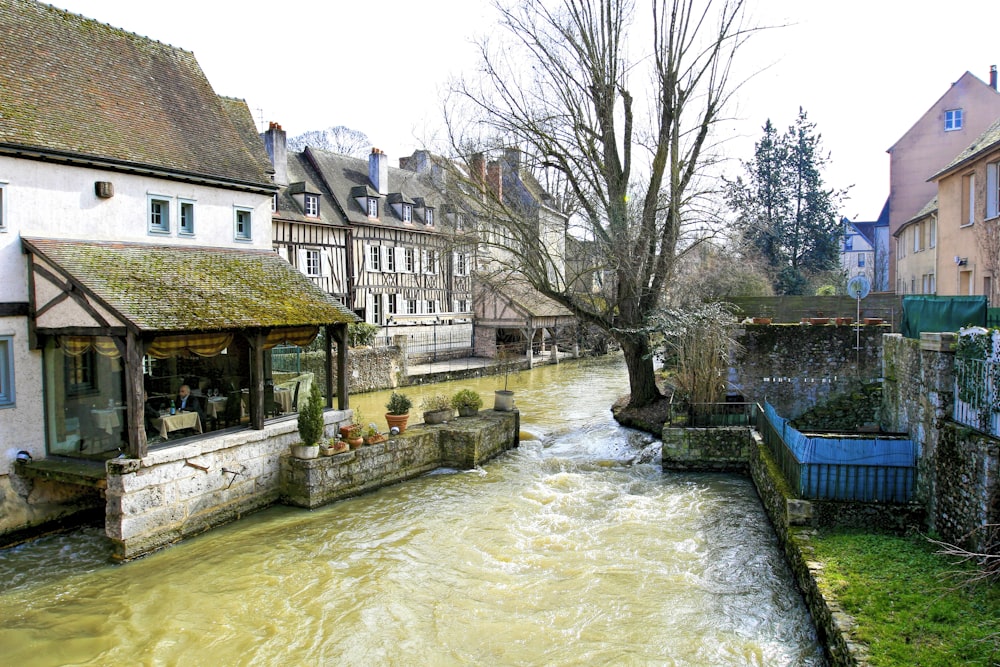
295	397
270	405
233	413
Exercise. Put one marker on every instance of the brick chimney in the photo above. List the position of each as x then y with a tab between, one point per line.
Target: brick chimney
477	170
378	171
494	178
274	143
993	77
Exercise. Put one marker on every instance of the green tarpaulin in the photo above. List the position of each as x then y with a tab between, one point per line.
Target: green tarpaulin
942	313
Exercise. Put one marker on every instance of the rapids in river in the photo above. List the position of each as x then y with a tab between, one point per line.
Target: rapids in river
574	549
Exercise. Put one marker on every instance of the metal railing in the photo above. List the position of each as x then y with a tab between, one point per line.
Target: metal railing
977	395
836	481
431	342
286	359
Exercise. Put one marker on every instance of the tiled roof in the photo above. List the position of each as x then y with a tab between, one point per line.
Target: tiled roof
986	141
171	288
303	178
516	290
74	86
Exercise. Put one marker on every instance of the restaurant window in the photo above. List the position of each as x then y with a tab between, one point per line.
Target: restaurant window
243	220
159	214
187	217
312	206
80	377
409	260
6	371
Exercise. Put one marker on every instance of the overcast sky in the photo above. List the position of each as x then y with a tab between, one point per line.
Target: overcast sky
864	70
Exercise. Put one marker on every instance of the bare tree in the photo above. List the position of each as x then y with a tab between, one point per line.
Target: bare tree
629	136
339	139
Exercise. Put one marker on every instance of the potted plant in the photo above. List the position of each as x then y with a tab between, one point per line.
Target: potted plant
503	399
354	437
437	409
371	435
398	411
467	402
310	426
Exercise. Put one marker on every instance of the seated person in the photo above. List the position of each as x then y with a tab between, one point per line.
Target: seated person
188	403
149	414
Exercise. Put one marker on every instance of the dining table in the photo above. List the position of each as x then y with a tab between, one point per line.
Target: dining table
215	407
167	423
107	419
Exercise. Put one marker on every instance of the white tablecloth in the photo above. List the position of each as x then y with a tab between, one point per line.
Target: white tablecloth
181	420
106	419
215	407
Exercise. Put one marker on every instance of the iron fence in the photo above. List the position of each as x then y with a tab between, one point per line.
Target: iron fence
977	395
835	481
431	341
286	359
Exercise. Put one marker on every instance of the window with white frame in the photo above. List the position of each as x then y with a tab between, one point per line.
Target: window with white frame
900	246
374	258
376	309
918	237
313	266
430	262
390	260
407	213
158	214
932	232
992	190
391	306
187	216
461	264
409	260
372	207
861	260
849	242
431	306
3	206
429	217
463	306
952	120
968	200
6	371
312	206
274	203
411	306
242	222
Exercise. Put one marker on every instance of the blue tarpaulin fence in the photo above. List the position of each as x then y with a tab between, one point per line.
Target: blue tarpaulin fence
841	468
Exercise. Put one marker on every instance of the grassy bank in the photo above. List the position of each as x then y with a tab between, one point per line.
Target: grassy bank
910	607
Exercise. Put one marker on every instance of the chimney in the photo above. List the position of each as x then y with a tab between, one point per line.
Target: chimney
494	178
378	171
274	143
512	156
477	169
993	77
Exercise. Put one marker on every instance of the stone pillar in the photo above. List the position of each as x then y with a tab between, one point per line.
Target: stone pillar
399	340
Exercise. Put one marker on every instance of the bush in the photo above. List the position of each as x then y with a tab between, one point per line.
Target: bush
360	334
436	402
466	398
311	417
399	404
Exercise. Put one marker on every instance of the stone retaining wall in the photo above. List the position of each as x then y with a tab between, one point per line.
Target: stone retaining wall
723	449
180	491
461	443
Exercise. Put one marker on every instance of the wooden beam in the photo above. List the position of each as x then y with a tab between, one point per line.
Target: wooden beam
256	339
343	398
328	348
134	400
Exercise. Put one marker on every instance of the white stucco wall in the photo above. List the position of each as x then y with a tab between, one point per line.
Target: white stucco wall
21	425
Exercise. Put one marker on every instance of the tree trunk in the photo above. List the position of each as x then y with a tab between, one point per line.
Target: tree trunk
642	381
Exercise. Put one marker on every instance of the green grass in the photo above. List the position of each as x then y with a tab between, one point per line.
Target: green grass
909	606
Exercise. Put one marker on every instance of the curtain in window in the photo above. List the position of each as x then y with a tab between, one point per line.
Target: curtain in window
300	336
202	345
74	346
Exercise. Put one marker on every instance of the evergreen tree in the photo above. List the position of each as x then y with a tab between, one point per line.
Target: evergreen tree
784	210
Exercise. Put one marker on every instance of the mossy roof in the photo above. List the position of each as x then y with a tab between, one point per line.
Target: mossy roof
76	87
170	288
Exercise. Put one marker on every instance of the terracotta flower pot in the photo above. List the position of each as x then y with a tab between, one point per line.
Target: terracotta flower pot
355	443
762	320
399	421
873	320
819	320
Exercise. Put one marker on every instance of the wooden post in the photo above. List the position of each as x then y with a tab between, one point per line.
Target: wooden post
343	399
135	414
329	364
256	340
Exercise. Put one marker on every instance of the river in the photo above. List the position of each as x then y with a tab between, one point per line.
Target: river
574	549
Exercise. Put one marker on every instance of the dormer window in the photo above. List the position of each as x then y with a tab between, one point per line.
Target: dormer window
372	207
274	203
407	213
312	206
429	217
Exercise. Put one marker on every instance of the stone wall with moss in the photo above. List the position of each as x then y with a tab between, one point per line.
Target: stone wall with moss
855	411
713	449
370	369
966	484
796	367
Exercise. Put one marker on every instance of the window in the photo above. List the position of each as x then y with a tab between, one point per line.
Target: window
80	376
187	217
918	237
407	213
374	258
3	207
312	206
861	260
849	242
372	207
408	260
6	369
968	199
313	267
411	306
952	120
932	232
463	306
274	203
461	265
992	190
430	263
390	260
900	247
377	309
243	220
159	215
431	306
391	305
429	217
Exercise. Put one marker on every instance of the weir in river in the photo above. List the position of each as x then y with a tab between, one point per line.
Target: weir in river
574	549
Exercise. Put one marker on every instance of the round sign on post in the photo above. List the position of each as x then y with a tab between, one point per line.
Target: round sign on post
858	287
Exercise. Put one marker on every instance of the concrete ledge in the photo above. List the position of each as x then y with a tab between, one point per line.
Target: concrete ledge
716	449
461	443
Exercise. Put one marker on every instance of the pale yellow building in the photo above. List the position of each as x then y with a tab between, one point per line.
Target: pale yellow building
917	252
